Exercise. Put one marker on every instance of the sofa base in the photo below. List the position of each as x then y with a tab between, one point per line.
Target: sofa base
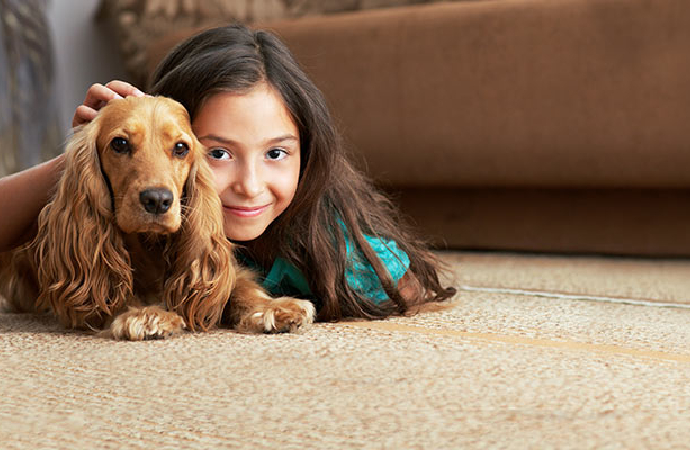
594	221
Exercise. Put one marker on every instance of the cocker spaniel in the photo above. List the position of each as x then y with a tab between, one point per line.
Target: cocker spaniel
133	242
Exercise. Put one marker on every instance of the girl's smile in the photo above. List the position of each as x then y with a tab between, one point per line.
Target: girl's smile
254	153
245	211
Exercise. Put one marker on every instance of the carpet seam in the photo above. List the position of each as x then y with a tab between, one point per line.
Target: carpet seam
564	296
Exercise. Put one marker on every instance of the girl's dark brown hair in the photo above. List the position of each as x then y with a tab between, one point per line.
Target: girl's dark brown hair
309	233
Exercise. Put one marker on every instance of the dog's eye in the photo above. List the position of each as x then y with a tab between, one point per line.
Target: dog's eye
120	145
180	149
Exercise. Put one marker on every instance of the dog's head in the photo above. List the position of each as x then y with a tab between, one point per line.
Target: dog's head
136	168
146	149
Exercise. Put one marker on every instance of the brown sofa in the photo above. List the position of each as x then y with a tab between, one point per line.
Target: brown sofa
530	125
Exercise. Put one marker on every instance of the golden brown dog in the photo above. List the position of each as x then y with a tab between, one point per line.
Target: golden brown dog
133	241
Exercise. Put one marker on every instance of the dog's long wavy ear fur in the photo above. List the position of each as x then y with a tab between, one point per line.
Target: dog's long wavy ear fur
202	262
84	271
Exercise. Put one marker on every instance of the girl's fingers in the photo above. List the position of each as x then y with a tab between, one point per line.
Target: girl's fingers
99	95
124	89
83	114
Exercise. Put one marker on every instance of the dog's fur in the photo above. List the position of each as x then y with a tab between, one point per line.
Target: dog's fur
109	255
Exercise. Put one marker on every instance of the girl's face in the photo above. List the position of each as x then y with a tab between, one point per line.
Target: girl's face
254	153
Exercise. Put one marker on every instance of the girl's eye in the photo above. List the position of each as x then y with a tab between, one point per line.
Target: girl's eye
276	154
219	154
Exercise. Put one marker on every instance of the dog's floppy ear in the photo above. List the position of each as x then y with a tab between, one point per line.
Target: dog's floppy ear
83	267
202	273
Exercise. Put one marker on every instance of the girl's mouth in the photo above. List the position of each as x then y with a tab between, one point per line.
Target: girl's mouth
245	211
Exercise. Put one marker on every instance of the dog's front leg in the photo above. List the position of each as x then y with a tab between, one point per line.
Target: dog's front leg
145	323
252	310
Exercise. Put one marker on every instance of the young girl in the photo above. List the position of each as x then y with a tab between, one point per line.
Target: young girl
305	219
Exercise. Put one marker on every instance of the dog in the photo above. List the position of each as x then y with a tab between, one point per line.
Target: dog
132	242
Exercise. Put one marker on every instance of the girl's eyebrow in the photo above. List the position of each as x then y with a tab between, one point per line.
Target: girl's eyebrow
228	141
213	137
286	137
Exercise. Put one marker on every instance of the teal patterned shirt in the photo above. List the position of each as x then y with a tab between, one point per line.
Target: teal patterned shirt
285	279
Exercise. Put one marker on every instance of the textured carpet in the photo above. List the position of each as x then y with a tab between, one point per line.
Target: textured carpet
536	352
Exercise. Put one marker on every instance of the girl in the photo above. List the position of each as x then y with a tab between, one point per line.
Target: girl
305	219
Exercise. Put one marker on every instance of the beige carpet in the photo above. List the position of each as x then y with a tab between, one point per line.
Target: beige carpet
537	352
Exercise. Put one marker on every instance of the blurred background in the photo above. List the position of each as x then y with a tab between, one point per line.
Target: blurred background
50	52
554	126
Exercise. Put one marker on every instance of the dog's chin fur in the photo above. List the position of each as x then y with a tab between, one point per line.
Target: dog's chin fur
150	228
139	275
132	218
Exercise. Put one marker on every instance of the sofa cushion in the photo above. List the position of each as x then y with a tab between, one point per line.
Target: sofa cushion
505	93
529	93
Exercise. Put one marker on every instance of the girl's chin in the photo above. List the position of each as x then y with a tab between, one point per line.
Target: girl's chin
239	235
239	238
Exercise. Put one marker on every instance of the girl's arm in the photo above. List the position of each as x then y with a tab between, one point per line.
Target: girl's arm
22	196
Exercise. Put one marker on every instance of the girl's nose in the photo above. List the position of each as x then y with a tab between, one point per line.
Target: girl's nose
249	182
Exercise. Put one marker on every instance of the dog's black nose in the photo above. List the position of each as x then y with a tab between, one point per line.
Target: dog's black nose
156	200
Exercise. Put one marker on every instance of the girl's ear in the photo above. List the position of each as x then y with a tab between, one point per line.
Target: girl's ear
84	270
202	262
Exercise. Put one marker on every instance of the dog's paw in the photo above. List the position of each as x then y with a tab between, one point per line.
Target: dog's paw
143	324
279	315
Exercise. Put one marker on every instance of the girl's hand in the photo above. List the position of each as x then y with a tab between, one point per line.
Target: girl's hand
410	289
98	95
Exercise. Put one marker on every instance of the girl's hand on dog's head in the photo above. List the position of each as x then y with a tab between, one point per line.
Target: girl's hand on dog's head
98	95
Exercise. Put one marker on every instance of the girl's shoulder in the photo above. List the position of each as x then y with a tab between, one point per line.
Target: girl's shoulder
282	279
360	274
